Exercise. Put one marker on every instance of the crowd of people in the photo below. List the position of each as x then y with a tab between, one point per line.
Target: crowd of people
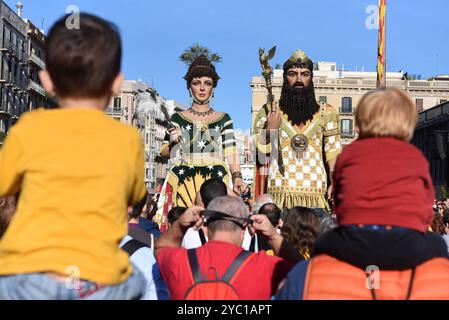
69	175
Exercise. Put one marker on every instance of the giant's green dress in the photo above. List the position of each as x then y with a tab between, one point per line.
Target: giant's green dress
200	156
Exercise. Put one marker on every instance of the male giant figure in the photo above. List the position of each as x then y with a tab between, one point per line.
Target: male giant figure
302	139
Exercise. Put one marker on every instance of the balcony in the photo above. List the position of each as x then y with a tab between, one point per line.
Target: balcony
36	87
37	61
7	46
346	111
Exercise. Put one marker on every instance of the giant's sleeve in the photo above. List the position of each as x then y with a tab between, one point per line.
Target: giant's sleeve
332	143
139	189
11	164
228	137
258	129
166	141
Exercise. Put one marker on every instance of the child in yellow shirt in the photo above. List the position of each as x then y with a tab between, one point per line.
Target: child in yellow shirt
77	170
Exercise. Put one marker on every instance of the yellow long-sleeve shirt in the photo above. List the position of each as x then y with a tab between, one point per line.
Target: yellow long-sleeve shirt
77	170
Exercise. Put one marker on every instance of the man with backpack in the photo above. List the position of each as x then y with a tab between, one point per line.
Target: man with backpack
142	257
221	269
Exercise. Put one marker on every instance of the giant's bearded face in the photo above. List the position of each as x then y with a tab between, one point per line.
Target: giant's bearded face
298	94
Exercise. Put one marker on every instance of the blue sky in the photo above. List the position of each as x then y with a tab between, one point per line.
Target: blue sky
155	32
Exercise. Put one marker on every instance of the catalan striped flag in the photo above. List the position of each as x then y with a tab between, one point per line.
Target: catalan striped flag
381	61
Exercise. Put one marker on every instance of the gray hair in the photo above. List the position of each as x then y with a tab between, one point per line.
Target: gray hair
230	205
261	200
328	223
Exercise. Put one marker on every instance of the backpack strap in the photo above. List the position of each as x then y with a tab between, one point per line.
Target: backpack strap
409	290
202	237
132	246
235	265
410	285
194	265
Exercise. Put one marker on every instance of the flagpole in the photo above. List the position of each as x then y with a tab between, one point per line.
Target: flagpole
381	50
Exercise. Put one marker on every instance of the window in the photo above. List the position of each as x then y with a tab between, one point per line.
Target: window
346	127
2	105
6	36
443	101
4	98
117	103
419	105
323	99
346	104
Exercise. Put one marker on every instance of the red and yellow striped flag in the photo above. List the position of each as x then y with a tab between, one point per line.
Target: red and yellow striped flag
381	62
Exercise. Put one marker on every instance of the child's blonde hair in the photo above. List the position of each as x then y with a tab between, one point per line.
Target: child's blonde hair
386	112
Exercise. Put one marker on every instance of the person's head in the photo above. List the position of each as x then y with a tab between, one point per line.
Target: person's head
174	214
438	225
441	207
201	79
7	209
139	209
328	223
260	201
225	229
301	227
298	93
211	189
273	214
386	112
446	221
84	62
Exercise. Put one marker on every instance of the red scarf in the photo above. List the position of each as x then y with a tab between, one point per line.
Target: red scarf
383	181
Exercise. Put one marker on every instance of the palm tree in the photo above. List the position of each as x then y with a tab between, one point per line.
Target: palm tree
194	51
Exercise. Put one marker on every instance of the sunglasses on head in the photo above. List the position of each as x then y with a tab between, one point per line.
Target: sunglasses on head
212	215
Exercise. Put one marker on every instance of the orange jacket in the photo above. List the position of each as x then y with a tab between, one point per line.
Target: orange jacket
331	279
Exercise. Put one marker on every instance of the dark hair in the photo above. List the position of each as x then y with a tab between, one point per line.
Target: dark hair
138	207
175	213
272	212
328	223
442	205
446	216
301	227
438	224
201	67
211	189
83	62
7	209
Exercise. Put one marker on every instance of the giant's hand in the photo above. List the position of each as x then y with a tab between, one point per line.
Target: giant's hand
175	135
273	120
238	186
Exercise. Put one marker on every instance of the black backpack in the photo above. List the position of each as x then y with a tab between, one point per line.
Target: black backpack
132	246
